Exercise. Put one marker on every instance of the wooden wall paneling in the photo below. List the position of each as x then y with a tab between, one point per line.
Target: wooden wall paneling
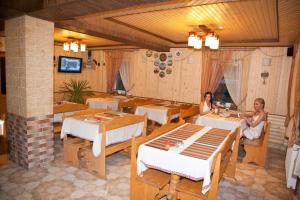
275	90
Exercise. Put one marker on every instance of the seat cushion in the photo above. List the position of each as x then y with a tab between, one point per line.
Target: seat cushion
155	178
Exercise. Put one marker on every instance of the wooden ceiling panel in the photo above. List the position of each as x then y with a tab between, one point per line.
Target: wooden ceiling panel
243	21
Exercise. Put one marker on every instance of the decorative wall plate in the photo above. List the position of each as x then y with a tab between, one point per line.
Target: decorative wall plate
170	55
170	62
163	57
149	53
162	74
156	63
169	70
155	55
156	70
178	53
162	66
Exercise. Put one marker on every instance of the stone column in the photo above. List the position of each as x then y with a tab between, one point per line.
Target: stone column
29	77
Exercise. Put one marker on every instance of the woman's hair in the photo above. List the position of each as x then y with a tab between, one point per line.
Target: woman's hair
261	100
206	93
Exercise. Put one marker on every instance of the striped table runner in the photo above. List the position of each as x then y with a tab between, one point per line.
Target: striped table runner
206	145
200	151
163	143
185	132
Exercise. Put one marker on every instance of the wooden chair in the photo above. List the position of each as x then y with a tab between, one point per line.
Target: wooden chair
154	183
187	113
257	149
172	111
98	164
191	190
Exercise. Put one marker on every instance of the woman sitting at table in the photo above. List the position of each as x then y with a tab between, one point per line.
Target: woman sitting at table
206	106
255	120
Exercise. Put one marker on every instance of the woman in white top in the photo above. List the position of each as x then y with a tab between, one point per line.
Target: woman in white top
255	120
206	106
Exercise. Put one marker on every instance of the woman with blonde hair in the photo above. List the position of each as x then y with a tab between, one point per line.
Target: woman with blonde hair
255	120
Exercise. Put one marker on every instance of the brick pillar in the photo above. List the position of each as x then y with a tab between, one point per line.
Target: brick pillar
29	76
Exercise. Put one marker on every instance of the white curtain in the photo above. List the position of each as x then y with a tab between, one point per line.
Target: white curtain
236	77
126	75
233	79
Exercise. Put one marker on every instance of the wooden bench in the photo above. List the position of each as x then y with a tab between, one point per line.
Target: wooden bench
257	149
192	190
154	183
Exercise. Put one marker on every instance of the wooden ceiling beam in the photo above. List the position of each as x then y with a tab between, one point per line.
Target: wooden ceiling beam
115	35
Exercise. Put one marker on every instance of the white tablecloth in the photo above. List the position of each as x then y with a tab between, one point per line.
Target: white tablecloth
175	163
158	114
221	123
112	103
90	131
58	116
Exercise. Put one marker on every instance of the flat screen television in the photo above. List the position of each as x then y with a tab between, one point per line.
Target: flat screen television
69	64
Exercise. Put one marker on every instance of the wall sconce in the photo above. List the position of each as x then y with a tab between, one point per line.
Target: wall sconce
264	75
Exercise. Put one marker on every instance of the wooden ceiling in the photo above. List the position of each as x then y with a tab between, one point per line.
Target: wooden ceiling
162	24
62	35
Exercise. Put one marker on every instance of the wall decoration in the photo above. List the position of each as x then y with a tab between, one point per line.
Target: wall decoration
162	66
178	53
169	70
163	57
162	74
149	53
162	63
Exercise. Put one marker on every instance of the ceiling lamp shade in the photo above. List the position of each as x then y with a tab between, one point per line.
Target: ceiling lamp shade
74	45
66	46
210	40
214	43
82	47
198	43
192	39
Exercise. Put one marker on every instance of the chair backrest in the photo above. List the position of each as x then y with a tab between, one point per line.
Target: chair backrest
190	111
171	112
228	150
213	192
125	120
266	133
136	142
89	111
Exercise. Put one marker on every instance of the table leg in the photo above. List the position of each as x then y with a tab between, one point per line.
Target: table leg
172	189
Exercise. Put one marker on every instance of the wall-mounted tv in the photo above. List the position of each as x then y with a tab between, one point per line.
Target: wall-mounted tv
69	64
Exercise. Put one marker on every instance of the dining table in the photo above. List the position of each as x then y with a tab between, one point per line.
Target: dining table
106	102
158	112
225	120
66	107
186	151
88	127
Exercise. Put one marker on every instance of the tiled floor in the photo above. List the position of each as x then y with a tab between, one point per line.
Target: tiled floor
61	181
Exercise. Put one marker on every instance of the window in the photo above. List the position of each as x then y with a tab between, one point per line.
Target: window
223	95
119	83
